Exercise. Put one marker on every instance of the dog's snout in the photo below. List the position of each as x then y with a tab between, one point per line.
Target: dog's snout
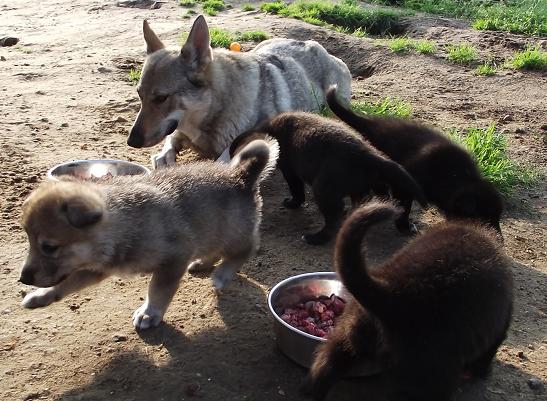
135	139
27	277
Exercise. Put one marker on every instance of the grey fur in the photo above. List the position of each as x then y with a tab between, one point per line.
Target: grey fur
195	214
215	95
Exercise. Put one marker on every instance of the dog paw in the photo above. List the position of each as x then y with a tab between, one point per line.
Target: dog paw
167	157
198	266
221	277
39	298
146	317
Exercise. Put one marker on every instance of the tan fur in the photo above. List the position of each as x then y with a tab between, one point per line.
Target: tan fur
196	214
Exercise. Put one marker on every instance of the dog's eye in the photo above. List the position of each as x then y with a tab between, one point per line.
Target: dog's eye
48	249
160	99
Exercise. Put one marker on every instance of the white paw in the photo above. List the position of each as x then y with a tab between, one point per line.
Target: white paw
39	298
199	266
221	277
167	157
146	317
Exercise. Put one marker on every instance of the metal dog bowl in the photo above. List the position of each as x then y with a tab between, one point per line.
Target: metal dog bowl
96	169
296	344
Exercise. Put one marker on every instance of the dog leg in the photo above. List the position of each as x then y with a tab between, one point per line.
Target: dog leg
296	186
171	147
73	283
162	288
331	204
203	264
403	223
227	269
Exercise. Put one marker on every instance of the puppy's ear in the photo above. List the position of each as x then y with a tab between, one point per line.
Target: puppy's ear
83	211
153	43
197	49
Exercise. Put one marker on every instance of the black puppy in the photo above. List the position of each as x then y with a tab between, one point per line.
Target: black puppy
438	308
335	160
447	173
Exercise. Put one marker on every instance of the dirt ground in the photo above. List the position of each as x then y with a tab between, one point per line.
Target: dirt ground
65	94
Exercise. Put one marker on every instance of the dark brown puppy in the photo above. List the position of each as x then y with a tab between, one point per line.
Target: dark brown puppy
447	173
439	307
334	160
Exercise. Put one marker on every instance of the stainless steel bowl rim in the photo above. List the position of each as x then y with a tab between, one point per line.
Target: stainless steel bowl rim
83	161
331	275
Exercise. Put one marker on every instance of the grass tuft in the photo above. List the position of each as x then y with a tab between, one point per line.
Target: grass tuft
212	7
425	46
486	69
387	106
135	75
346	14
462	53
187	3
533	58
253	36
489	148
398	45
247	7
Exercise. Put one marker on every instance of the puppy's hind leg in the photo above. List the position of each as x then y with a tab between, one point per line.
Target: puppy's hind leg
163	286
203	264
73	283
229	266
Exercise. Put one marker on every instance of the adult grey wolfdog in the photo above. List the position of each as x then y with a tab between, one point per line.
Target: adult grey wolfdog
203	98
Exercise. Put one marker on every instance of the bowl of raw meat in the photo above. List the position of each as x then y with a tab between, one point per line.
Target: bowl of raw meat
305	308
96	170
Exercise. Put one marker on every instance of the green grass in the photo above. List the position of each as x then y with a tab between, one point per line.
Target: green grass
486	69
425	46
187	3
489	148
519	16
462	53
247	7
533	58
399	45
404	44
387	106
135	75
253	36
212	7
223	38
346	14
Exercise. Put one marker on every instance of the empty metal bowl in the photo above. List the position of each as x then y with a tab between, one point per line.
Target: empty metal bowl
296	344
96	169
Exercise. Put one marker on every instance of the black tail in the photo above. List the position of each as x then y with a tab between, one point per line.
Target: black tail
256	160
401	181
358	122
351	266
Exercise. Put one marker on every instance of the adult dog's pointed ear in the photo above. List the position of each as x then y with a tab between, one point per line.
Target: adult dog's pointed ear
153	43
83	210
197	49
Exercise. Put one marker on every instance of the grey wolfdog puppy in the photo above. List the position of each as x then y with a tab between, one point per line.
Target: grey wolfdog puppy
193	215
202	98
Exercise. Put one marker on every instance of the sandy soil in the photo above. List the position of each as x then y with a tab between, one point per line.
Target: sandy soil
65	94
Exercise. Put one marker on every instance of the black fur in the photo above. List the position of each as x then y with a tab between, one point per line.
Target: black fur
447	173
334	160
439	307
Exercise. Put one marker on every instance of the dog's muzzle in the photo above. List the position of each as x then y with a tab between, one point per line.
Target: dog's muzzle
135	139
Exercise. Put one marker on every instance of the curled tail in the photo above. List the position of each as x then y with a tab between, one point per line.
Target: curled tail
401	182
255	161
350	264
356	121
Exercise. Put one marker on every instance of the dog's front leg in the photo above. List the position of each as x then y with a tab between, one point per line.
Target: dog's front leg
161	290
172	146
73	283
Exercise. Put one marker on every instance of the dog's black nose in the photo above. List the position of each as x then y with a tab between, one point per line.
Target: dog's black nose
135	139
27	277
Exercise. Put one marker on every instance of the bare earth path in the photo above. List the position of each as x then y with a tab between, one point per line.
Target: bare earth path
64	94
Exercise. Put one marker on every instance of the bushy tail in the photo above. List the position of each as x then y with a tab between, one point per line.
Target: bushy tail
401	181
256	160
358	122
350	264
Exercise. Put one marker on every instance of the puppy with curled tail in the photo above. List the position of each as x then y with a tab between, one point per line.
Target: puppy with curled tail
447	173
439	307
196	214
335	161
